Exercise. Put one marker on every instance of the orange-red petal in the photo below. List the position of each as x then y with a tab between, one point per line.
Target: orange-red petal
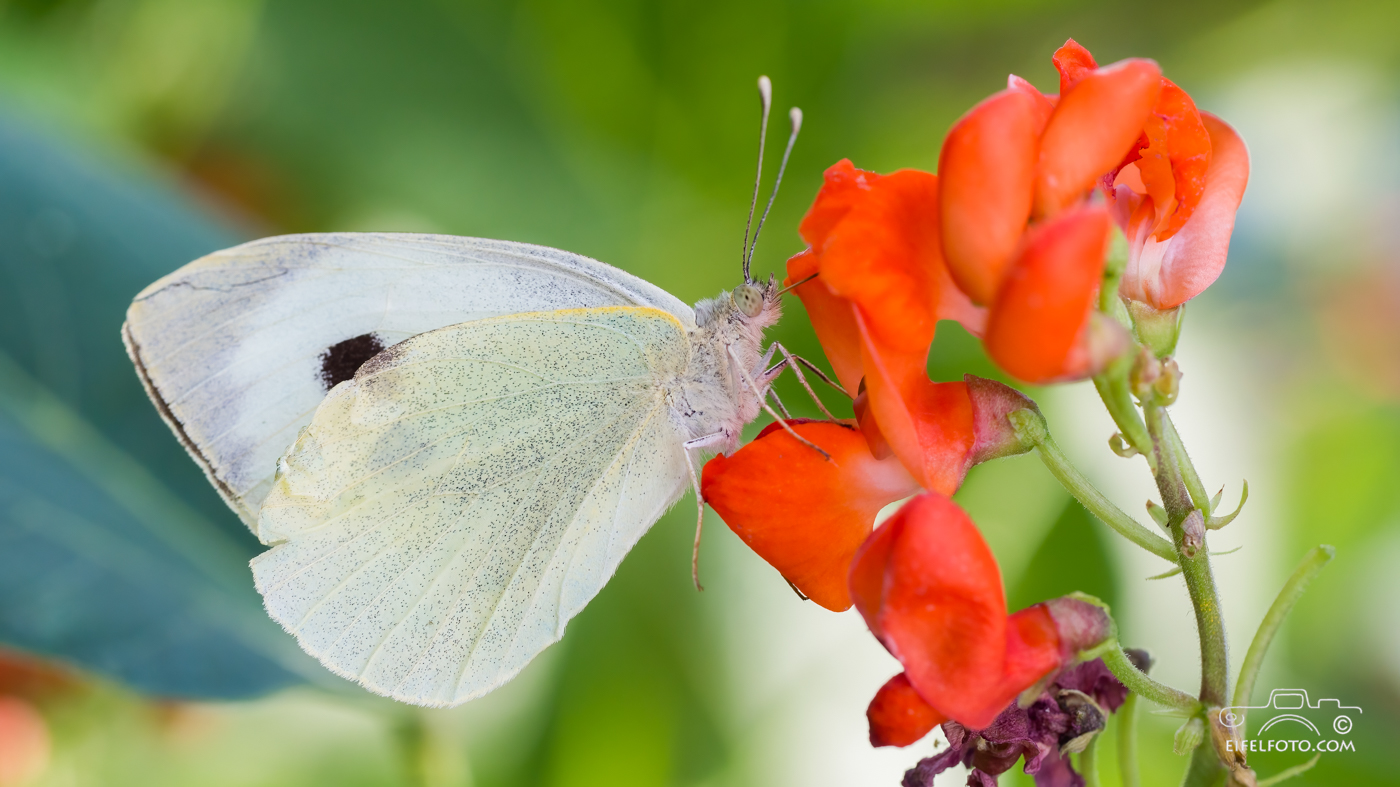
842	187
986	179
1044	105
928	425
831	318
1188	150
1165	274
930	590
1094	126
941	610
899	716
802	513
1038	328
884	255
1033	647
1074	63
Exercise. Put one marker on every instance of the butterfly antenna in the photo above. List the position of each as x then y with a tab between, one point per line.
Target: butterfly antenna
795	116
765	99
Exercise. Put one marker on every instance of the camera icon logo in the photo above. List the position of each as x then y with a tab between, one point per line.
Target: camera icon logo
1295	708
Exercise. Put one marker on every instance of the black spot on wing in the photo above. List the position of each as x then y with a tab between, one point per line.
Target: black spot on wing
340	361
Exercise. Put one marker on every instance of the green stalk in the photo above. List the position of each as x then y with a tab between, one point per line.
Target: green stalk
1030	426
1127	742
1200	582
1197	490
1205	769
1117	397
1292	590
1138	683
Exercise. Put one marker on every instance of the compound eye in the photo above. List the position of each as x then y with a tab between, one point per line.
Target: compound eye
749	299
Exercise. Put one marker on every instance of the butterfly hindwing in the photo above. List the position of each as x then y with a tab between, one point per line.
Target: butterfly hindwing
449	509
237	348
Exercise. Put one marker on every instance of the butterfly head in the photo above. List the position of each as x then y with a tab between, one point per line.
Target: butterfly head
748	299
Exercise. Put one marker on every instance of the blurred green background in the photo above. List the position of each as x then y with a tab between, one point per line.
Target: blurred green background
136	135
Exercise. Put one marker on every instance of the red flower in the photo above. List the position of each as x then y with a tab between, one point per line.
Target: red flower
881	291
930	591
1021	163
898	716
1173	259
806	515
803	514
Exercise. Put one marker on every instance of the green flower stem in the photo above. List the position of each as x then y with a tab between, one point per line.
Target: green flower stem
1200	582
1138	683
1292	590
1205	769
1089	762
1198	492
1113	389
1030	426
1127	742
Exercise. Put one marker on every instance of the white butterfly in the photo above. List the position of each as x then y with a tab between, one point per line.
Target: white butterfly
451	496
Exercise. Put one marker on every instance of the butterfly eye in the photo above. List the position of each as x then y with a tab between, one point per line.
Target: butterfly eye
749	299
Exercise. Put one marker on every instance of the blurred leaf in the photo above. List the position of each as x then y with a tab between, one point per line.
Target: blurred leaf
1071	557
101	564
634	705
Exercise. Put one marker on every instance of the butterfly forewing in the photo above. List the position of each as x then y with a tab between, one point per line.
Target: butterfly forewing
238	348
448	510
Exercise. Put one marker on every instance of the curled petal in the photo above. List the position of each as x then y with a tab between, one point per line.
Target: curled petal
803	514
1188	151
831	318
842	187
1165	274
928	425
1033	647
1094	126
1039	329
1074	63
898	715
1044	105
986	178
938	608
884	255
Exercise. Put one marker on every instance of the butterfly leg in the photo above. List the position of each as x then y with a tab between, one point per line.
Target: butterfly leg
763	401
698	444
795	362
779	402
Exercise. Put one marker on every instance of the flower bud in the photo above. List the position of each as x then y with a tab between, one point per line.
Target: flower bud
995	436
1082	623
1193	530
1146	371
1189	735
1141	658
1168	385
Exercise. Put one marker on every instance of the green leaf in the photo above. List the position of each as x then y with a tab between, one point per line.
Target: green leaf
1071	557
101	564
